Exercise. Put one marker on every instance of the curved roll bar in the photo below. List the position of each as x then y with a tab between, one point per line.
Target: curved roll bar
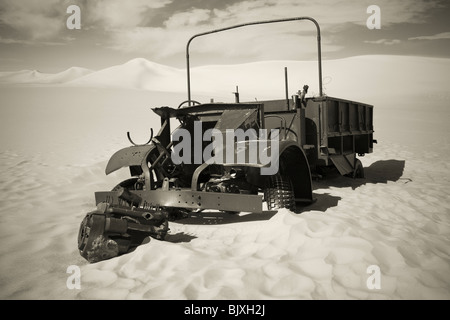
135	144
319	53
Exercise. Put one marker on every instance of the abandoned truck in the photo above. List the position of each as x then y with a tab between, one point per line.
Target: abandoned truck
172	175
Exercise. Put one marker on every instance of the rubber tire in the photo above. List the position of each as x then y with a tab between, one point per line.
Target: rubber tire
127	184
358	173
279	192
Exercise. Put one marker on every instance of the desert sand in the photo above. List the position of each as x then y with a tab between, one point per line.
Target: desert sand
58	132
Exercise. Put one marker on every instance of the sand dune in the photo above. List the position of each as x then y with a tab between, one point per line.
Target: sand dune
36	77
362	78
56	141
135	74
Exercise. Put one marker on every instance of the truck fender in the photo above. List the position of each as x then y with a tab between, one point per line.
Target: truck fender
131	156
294	164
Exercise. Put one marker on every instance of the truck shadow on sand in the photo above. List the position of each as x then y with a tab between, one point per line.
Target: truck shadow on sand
323	201
220	217
382	171
179	237
213	218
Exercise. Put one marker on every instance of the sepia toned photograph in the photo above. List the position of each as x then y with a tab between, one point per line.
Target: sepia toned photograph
237	150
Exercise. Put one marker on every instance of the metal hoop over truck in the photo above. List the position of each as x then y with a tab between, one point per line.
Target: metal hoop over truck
307	136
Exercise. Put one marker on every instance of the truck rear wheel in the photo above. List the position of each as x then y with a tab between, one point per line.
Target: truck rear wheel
279	192
359	170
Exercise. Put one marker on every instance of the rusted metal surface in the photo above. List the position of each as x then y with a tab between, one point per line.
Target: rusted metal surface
190	199
319	49
302	135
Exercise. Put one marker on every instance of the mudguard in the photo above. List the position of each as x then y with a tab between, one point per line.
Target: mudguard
294	163
131	156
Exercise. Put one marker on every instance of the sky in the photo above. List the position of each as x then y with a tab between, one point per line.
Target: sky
34	34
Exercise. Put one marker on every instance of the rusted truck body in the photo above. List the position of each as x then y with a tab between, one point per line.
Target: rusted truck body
303	135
